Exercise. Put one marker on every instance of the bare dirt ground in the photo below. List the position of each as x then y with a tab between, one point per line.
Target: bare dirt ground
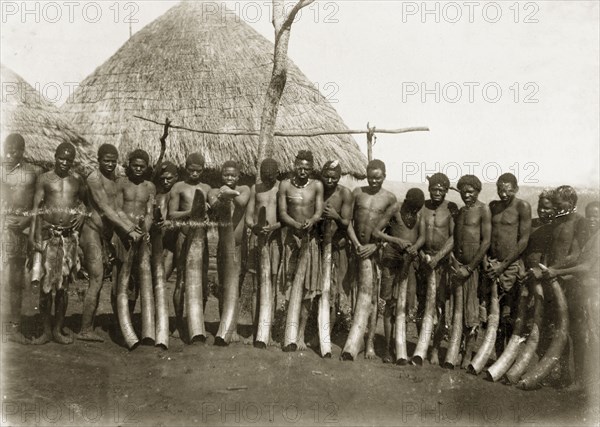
105	384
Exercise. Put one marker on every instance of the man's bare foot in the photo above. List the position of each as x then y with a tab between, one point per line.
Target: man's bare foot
234	337
19	338
466	360
387	357
301	345
45	338
434	359
273	343
89	335
249	340
61	338
370	352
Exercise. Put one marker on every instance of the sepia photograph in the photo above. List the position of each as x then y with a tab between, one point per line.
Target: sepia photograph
300	212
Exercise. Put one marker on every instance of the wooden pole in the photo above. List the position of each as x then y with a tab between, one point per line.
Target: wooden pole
292	134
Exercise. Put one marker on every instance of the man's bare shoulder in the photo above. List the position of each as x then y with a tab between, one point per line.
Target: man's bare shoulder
178	187
522	204
31	167
284	185
389	195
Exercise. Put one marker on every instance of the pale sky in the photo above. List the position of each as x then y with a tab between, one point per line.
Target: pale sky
373	59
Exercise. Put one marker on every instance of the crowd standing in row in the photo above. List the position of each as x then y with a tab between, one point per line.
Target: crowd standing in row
478	246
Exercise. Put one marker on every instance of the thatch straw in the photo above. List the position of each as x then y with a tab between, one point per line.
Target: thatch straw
25	111
204	71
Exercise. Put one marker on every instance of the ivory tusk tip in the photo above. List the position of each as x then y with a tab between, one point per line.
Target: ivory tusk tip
417	361
220	342
402	362
327	355
260	344
290	347
347	356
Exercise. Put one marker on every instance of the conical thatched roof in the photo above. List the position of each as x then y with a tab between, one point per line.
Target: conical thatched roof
25	111
205	71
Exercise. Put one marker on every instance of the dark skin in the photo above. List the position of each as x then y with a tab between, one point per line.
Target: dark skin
436	237
218	199
181	198
511	227
540	239
263	194
338	210
567	231
61	192
135	201
370	204
102	194
17	185
300	209
472	235
404	232
166	181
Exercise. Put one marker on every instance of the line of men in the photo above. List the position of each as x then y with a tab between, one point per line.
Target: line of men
477	246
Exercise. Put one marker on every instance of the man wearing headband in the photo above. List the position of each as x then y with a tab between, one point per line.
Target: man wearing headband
436	229
370	204
511	227
167	175
55	234
97	233
300	203
402	222
264	196
17	185
181	198
135	204
472	234
337	214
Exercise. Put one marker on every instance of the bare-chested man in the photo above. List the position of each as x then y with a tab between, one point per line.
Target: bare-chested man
264	195
402	219
224	205
568	230
584	301
337	211
370	204
511	227
97	232
166	177
436	237
181	197
18	186
472	234
55	233
135	199
300	203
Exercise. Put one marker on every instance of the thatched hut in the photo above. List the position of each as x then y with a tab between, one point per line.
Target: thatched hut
25	111
207	70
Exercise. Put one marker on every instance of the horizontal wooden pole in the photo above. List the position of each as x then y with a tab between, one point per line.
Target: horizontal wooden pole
291	133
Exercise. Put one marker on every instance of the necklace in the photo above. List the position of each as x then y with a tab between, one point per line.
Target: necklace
299	186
